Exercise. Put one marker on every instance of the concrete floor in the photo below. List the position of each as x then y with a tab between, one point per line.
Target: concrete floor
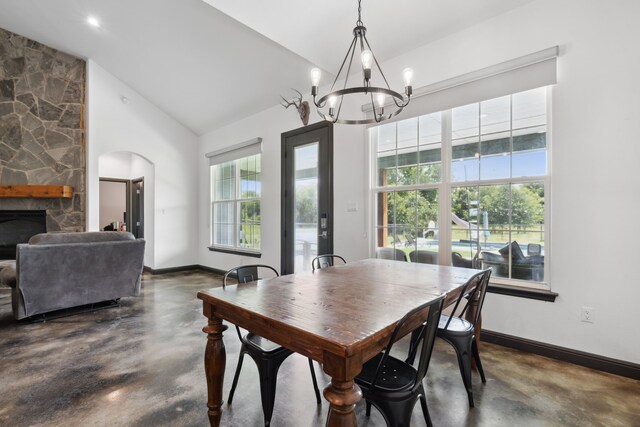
141	365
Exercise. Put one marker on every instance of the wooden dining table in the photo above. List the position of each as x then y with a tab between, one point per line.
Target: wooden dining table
340	316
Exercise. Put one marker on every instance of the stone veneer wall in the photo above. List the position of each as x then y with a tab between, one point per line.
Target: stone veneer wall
42	127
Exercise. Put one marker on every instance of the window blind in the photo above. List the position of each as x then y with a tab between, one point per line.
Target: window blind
517	75
236	151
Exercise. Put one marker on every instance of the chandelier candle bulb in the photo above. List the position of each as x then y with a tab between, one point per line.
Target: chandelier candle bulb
380	100
315	80
367	60
407	76
332	104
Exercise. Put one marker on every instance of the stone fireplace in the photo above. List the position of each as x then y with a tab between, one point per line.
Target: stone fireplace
42	128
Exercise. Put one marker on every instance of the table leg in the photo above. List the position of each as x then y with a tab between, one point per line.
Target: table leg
215	358
342	397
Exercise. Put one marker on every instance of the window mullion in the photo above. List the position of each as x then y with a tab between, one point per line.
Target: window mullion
510	185
212	205
236	207
445	188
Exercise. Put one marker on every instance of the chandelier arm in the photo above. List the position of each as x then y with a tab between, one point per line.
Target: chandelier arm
404	104
351	46
346	79
318	104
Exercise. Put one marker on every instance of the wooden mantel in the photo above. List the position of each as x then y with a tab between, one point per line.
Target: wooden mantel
36	191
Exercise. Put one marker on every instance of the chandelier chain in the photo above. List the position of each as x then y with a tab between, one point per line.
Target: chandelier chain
359	21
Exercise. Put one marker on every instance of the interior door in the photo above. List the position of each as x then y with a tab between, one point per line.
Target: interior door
307	196
137	208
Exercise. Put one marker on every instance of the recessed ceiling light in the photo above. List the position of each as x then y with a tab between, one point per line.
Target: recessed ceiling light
93	21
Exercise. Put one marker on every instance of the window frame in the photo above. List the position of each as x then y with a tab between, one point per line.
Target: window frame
522	288
236	200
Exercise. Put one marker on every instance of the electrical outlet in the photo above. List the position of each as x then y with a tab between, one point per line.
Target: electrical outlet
588	314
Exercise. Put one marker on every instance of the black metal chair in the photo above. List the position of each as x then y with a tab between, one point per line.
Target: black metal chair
267	355
459	332
424	257
394	386
324	261
391	253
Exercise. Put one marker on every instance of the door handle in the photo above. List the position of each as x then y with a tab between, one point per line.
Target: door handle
323	235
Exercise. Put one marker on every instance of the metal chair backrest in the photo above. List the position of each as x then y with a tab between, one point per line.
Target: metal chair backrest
324	261
430	313
247	273
424	257
479	282
244	274
391	253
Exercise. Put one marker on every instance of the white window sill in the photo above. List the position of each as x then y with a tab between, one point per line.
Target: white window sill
235	251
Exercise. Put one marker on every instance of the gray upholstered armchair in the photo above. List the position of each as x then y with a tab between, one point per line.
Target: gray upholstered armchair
55	271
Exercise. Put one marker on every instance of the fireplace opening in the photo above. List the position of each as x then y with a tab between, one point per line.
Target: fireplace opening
18	227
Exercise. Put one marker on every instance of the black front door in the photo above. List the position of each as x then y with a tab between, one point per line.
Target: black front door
307	196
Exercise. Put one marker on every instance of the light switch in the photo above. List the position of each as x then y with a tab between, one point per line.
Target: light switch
352	206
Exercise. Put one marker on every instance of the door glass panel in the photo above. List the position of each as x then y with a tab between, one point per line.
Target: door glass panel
305	205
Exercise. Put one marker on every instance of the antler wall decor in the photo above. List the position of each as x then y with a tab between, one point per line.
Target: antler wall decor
301	106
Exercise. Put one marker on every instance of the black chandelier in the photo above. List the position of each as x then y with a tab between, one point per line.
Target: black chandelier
368	59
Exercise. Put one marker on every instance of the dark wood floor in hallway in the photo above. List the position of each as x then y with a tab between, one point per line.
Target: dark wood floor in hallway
141	365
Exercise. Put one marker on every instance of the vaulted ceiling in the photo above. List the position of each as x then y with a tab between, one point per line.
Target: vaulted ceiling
207	66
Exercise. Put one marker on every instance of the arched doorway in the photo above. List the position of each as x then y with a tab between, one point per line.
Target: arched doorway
126	196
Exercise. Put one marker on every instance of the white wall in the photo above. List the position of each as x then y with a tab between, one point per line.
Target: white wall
140	127
594	199
350	238
115	165
594	154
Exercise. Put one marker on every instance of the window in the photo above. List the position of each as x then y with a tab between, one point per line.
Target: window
469	182
235	202
408	166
